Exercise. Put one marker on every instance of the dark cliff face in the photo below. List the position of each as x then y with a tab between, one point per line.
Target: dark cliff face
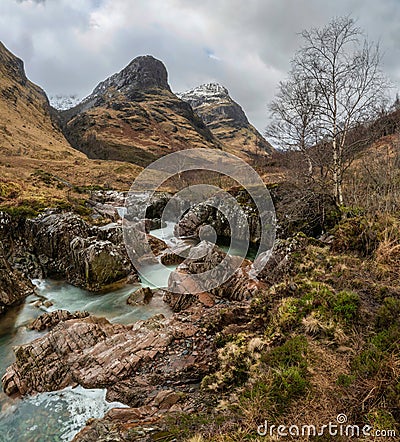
226	120
143	73
133	116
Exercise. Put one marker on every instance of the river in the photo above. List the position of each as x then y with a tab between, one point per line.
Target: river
58	416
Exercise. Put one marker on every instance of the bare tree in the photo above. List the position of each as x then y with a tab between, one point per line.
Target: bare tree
335	86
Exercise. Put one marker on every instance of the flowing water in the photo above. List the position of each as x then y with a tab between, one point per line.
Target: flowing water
58	416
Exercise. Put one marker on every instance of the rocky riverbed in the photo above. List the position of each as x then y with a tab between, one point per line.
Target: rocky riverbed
152	366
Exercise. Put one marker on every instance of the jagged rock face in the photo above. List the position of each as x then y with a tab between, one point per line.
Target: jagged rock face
219	214
132	361
50	320
133	116
143	73
213	103
67	247
14	287
226	120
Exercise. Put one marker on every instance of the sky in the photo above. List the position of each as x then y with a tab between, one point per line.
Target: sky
69	46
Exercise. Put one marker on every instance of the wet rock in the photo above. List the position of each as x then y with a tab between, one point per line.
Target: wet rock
134	362
224	276
177	253
140	297
86	256
14	287
50	320
179	301
96	264
222	215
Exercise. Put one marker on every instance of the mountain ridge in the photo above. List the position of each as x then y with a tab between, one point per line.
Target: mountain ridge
133	116
227	120
37	164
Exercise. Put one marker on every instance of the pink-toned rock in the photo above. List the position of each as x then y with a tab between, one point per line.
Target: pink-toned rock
206	299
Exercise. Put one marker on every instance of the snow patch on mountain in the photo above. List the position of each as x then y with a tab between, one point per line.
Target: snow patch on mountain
64	102
206	94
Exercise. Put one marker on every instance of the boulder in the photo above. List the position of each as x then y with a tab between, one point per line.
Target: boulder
219	213
227	278
141	296
67	247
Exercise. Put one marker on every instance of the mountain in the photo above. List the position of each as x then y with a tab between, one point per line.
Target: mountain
36	161
133	116
64	102
226	120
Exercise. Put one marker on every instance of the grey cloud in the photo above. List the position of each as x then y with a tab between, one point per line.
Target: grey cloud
69	47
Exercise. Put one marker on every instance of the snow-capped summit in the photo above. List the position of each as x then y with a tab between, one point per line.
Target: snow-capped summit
213	103
209	93
226	119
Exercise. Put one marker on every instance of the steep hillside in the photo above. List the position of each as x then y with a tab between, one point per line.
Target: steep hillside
133	116
226	120
36	161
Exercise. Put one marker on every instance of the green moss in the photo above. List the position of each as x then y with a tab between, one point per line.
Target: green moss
377	351
288	384
345	380
345	306
21	211
388	314
288	379
291	353
381	419
186	425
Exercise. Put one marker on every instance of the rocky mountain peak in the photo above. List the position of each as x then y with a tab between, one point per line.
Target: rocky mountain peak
226	119
142	73
209	93
213	102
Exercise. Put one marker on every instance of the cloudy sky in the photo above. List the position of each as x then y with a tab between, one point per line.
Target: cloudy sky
70	45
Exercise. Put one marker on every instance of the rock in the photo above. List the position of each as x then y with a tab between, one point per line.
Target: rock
177	253
227	120
206	299
166	398
134	362
179	301
96	264
88	257
273	266
142	247
140	297
143	73
50	320
227	278
14	287
220	213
